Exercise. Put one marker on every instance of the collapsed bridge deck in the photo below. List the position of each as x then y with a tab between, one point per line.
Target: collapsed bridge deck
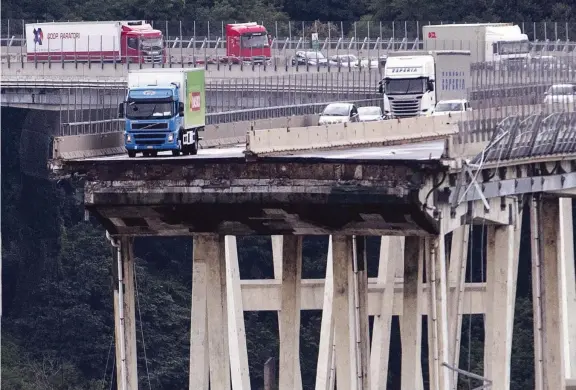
370	191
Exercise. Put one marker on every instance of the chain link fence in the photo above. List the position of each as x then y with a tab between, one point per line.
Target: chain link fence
366	42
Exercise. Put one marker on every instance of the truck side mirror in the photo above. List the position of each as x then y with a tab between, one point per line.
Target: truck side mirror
431	85
121	110
380	87
181	109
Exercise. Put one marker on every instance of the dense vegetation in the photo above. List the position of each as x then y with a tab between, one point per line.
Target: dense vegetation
57	287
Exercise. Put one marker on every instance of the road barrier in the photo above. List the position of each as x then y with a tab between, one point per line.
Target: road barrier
352	134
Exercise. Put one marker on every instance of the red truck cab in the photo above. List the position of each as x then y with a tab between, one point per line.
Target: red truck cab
247	42
141	43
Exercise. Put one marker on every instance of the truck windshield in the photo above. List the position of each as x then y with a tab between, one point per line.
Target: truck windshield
149	110
404	86
256	41
152	43
518	47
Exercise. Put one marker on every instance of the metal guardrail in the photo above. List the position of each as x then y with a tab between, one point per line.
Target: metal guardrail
525	137
117	124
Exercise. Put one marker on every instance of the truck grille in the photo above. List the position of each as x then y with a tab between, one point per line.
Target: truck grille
405	108
150	126
153	59
149	138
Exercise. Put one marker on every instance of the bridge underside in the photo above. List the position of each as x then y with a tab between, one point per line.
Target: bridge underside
265	219
235	197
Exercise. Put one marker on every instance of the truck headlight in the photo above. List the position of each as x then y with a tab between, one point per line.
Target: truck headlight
170	137
128	138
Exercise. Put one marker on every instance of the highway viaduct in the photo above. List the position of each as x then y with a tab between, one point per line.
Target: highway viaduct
412	183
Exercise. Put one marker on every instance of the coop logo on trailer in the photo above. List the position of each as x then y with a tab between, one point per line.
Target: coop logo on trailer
195	101
432	35
38	36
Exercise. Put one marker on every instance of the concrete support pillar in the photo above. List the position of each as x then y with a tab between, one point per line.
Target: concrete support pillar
567	282
277	256
125	314
391	252
456	283
503	248
554	335
117	272
203	250
236	329
289	316
342	277
325	367
411	319
362	323
217	315
439	345
536	249
131	367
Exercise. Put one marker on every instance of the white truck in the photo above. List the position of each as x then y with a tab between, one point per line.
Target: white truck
415	81
120	41
488	42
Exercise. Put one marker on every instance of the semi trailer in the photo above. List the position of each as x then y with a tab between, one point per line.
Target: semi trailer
415	81
495	43
120	41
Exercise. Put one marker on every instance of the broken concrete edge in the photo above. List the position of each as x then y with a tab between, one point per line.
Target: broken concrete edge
250	152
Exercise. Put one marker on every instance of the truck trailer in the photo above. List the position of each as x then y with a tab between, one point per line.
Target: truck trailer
164	110
414	81
120	41
487	42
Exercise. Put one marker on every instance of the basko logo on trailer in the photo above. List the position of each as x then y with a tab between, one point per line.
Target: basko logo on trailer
195	101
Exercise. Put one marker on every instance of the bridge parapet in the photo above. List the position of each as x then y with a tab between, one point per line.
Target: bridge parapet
347	135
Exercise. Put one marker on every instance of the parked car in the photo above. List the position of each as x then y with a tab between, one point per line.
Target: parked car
370	114
312	58
339	113
560	94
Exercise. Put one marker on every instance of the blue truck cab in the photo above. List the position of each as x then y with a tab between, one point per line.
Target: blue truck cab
155	116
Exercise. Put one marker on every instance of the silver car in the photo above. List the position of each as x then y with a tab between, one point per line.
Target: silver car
370	114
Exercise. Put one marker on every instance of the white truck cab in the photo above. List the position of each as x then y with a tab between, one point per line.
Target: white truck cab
408	85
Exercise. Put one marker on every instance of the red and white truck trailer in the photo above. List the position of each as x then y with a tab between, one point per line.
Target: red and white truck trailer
247	42
121	41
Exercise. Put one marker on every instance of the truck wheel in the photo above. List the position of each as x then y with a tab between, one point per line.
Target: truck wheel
194	148
176	152
131	153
